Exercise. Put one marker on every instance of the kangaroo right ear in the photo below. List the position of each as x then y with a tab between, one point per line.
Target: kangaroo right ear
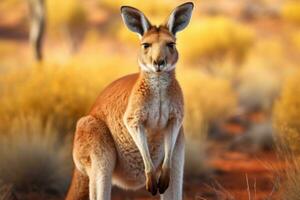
135	20
180	17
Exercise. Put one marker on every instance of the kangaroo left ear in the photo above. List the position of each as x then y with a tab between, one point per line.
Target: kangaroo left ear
135	20
180	17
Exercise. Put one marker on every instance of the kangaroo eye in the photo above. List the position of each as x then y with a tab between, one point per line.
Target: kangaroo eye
146	45
171	45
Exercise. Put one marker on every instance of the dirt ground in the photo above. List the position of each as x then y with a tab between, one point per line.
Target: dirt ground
235	175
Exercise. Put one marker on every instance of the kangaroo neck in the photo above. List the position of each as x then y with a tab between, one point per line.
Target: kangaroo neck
157	80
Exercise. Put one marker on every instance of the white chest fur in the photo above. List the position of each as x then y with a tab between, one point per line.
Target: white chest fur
159	104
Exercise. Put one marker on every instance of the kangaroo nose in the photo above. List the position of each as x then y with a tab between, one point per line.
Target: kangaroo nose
159	62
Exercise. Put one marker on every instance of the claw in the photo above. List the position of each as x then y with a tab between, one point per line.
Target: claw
164	180
151	184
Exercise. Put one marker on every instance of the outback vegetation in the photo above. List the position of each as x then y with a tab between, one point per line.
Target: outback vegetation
286	113
239	77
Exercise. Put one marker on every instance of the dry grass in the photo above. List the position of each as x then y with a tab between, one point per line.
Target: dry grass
286	113
7	192
207	100
258	137
290	183
288	175
296	40
286	124
61	92
67	19
217	38
154	7
68	13
258	86
33	157
291	11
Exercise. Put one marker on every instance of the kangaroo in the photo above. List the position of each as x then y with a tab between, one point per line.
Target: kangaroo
133	135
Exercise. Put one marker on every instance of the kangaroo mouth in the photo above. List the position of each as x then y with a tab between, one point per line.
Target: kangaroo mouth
158	68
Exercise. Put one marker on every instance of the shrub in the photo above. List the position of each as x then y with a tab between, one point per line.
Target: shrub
7	48
68	13
68	18
291	182
60	92
258	86
154	7
207	100
7	192
286	113
289	173
214	38
291	11
296	40
258	137
33	157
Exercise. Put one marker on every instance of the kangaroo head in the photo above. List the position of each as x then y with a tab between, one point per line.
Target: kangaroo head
158	43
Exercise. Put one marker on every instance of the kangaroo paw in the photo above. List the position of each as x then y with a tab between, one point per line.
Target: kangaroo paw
151	184
164	179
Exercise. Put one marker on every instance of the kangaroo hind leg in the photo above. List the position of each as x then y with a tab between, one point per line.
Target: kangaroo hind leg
94	153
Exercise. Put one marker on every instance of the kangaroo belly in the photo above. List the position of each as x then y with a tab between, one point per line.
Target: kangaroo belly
129	171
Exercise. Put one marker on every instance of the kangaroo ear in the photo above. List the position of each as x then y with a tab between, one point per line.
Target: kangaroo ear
135	20
180	17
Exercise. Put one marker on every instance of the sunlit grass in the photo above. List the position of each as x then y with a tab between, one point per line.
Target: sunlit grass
154	7
291	11
296	40
61	92
210	39
207	100
289	174
34	156
70	13
286	113
258	86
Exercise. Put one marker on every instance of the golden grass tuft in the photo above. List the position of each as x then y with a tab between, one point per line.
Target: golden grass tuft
207	100
258	86
68	14
295	36
150	8
286	113
291	11
211	39
291	181
60	92
288	175
34	157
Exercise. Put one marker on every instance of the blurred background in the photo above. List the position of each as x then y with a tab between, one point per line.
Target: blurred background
238	67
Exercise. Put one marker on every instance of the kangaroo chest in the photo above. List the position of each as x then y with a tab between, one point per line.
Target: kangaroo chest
159	105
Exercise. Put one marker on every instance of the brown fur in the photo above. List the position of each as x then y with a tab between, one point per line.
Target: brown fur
110	107
79	189
158	37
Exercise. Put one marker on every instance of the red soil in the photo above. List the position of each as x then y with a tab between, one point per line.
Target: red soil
235	175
